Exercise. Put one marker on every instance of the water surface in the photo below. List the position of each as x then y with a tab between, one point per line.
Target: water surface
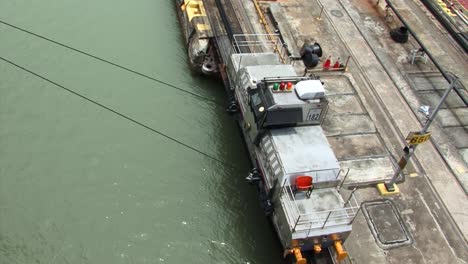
81	184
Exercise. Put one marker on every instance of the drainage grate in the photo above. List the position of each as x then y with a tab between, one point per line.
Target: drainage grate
386	224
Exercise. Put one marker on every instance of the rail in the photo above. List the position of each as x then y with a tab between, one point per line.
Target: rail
459	90
283	55
322	176
319	219
261	43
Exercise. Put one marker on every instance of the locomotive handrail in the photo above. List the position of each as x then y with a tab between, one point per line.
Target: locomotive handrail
319	219
315	175
262	41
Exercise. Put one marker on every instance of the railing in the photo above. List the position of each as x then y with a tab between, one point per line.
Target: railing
261	43
321	176
320	219
273	166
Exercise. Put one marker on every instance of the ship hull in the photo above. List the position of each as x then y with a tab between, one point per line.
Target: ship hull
197	35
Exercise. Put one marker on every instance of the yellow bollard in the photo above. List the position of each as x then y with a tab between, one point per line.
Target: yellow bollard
317	248
298	256
340	252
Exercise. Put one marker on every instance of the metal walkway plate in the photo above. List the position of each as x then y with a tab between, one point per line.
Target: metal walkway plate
386	224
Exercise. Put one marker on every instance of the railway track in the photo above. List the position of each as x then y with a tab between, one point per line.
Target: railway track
323	258
231	22
459	89
448	24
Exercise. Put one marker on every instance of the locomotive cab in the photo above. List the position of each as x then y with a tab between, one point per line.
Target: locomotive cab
284	102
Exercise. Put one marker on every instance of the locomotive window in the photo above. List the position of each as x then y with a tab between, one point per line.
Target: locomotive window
284	117
256	104
255	100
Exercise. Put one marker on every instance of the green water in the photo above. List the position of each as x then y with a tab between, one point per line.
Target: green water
81	184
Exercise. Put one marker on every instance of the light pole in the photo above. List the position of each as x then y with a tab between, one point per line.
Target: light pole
417	138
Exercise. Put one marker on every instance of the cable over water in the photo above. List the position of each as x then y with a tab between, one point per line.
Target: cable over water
225	163
114	64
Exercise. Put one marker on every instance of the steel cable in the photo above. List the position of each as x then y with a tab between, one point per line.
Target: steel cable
113	64
225	163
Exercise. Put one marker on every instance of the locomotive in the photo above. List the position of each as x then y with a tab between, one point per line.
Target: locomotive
280	114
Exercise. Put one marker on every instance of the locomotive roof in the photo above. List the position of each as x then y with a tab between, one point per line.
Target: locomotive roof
304	149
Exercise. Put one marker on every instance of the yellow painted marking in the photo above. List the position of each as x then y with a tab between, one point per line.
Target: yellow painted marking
414	174
202	27
460	170
448	12
383	191
194	8
444	7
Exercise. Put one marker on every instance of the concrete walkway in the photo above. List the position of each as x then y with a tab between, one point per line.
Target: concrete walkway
439	231
448	188
433	204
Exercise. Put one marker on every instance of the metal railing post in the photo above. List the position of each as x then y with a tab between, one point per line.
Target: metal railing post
355	215
344	179
310	228
297	221
324	223
349	198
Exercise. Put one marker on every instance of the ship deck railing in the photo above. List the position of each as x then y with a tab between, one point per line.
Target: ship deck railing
306	213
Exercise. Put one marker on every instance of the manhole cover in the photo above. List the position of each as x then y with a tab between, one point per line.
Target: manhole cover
337	13
386	224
